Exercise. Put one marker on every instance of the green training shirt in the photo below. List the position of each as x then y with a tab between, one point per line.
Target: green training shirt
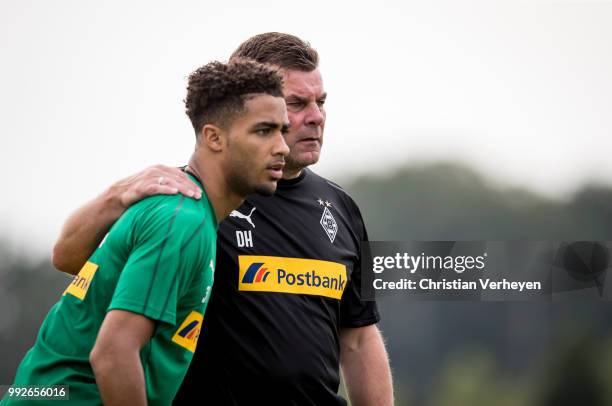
157	260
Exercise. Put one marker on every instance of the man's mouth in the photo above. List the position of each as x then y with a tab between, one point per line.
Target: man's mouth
276	170
310	140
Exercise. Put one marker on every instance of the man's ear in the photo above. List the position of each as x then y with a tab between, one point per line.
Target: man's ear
212	137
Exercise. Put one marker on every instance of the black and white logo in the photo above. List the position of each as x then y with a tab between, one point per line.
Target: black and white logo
244	239
236	213
328	222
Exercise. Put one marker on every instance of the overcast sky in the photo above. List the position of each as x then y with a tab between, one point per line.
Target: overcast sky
92	91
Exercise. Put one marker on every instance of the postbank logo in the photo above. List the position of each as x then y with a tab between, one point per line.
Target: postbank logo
291	275
189	331
81	282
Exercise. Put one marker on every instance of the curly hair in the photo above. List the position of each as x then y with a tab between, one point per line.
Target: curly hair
216	92
276	48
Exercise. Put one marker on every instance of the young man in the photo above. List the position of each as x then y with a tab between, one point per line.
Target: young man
287	311
125	330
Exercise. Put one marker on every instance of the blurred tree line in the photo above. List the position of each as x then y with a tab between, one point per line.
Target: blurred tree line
442	353
499	353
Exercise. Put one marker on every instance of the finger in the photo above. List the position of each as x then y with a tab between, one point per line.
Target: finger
157	189
159	175
136	194
153	173
184	183
178	179
186	188
166	190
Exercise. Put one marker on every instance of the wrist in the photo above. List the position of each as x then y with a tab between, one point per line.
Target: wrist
111	202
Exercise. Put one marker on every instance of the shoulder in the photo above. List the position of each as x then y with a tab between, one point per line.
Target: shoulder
170	210
334	188
345	201
320	180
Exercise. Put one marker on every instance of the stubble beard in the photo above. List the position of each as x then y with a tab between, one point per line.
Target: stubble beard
296	165
265	190
241	185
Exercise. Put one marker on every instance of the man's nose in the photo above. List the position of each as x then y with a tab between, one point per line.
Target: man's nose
315	115
280	146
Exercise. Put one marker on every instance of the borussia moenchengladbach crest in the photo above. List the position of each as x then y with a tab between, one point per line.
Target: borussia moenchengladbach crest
328	222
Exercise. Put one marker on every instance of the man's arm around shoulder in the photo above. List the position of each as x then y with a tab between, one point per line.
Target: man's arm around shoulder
85	228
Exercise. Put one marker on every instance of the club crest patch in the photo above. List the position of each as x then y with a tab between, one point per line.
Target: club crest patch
328	222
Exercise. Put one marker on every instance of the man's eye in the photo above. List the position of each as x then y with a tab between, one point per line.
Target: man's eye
320	103
263	131
295	105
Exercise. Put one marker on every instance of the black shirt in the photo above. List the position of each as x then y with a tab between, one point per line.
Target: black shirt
270	333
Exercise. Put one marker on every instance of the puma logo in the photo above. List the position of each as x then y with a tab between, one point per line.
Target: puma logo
236	213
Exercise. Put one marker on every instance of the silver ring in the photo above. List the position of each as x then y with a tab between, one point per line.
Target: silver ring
160	180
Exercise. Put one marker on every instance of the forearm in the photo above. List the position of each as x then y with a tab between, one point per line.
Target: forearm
115	358
84	230
120	378
365	367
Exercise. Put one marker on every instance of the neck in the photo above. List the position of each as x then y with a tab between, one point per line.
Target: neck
291	173
222	199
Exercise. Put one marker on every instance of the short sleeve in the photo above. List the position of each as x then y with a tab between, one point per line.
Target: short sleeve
155	272
355	312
